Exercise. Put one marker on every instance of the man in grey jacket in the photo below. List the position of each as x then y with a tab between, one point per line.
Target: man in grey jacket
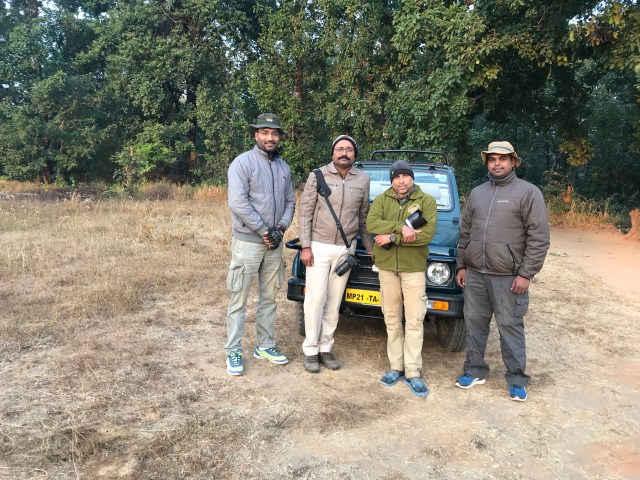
262	202
323	248
504	239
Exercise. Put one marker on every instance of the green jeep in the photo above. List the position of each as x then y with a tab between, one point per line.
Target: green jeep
362	295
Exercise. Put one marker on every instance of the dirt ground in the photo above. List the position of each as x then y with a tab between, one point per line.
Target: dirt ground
605	253
145	394
581	420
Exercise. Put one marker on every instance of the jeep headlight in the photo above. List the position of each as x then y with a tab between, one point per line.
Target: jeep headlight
438	273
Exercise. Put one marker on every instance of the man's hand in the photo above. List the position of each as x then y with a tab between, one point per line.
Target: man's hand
461	277
273	237
520	285
408	234
383	239
306	257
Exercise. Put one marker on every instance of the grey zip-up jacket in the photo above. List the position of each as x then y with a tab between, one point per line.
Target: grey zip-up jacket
350	200
504	228
260	194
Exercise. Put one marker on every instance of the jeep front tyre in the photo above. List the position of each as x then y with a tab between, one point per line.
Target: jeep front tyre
451	333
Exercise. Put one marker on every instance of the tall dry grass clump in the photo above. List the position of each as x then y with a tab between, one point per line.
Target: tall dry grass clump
10	186
165	190
580	212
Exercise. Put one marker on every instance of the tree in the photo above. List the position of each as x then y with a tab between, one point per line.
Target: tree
288	76
49	118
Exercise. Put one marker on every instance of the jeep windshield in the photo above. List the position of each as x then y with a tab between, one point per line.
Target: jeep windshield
432	182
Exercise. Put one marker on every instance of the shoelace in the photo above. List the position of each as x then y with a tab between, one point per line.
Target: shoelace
235	359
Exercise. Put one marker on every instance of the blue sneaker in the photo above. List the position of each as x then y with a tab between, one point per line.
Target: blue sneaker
468	381
271	354
517	393
234	363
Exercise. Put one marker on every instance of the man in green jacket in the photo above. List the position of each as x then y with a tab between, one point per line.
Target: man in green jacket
400	253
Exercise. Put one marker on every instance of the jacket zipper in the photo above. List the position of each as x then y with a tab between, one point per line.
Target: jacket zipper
396	249
484	235
340	214
273	193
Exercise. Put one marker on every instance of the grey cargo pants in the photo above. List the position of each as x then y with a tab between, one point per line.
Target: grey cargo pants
486	295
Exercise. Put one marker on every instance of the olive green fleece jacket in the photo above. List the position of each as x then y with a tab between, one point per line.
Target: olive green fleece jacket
387	215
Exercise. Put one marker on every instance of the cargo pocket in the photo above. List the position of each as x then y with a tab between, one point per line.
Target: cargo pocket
234	276
422	306
522	305
280	276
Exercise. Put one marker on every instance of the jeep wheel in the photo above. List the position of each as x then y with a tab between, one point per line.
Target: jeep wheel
451	333
300	318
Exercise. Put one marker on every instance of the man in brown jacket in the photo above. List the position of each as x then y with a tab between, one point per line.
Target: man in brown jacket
323	248
504	239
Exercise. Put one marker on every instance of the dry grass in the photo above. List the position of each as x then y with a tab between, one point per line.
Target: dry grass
583	213
111	363
10	186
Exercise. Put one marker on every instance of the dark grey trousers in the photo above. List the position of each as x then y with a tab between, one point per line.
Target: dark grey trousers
486	295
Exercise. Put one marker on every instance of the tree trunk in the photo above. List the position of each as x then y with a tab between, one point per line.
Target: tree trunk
192	135
635	224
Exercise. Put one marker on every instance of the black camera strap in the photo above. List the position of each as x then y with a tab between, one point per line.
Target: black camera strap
325	191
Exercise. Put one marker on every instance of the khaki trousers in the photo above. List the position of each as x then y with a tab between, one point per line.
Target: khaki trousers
404	292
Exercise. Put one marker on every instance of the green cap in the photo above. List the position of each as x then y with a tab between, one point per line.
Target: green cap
267	120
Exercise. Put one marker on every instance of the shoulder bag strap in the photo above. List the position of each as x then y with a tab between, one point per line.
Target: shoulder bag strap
325	191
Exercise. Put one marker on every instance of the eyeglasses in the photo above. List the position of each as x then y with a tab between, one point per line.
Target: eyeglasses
343	150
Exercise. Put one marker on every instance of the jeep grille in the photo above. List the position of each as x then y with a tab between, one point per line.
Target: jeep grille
362	273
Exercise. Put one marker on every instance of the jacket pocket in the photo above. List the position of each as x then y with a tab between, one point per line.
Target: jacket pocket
473	255
515	264
234	276
499	259
517	254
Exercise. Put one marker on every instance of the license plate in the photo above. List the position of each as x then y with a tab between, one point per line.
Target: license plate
365	297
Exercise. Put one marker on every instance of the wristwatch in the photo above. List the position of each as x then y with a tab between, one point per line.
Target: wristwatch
393	238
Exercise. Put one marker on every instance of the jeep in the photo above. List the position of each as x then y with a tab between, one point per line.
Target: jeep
362	294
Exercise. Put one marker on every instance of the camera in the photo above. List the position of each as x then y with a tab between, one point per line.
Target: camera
344	267
415	220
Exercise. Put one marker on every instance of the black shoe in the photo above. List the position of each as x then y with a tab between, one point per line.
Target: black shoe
326	358
312	363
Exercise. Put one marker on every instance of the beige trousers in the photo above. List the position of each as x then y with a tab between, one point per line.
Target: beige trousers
404	292
323	295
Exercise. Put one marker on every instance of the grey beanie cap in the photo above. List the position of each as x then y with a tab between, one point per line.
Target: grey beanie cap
345	137
398	167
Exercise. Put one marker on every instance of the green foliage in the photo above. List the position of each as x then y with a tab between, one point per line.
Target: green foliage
166	89
147	157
